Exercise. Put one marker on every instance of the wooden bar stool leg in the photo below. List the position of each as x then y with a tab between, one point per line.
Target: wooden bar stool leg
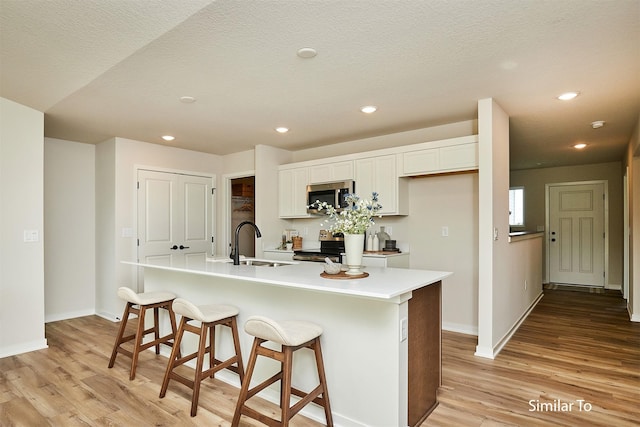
175	355
244	389
121	330
212	348
285	386
156	327
199	362
236	345
174	328
138	342
323	381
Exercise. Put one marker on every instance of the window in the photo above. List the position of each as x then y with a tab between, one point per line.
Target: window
516	206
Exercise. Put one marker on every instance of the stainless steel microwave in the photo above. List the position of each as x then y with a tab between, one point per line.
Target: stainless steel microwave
334	193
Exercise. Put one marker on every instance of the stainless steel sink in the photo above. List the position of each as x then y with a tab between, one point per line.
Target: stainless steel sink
253	261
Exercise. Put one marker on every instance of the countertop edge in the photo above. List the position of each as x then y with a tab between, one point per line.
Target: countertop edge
393	296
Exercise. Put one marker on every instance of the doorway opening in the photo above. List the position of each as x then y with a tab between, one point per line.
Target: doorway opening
243	209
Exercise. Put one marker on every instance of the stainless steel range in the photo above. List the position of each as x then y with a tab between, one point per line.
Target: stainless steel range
331	246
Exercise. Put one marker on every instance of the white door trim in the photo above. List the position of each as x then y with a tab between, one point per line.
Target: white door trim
547	255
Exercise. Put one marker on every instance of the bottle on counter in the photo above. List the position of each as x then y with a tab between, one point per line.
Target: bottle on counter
369	246
382	237
376	243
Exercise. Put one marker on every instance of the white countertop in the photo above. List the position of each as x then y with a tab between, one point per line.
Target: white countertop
382	283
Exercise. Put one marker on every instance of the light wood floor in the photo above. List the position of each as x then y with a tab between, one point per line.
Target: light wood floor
573	346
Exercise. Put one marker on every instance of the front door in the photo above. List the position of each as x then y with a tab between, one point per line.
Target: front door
576	237
175	218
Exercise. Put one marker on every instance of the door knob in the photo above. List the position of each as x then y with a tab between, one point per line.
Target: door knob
184	247
174	247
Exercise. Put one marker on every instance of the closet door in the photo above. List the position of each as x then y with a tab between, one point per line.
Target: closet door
175	218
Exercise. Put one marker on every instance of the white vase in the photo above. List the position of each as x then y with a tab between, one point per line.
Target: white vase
353	247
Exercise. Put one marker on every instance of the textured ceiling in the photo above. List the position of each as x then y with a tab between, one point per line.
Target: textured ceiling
104	68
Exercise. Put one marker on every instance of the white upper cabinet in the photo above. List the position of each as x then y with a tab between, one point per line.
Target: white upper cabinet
330	172
384	171
456	155
292	192
380	174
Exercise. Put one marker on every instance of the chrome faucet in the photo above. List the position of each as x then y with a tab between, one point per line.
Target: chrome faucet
235	254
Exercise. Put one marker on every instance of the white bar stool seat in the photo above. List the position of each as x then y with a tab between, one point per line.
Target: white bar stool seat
209	316
139	303
292	335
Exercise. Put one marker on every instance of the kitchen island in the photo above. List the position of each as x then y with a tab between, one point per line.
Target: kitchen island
381	340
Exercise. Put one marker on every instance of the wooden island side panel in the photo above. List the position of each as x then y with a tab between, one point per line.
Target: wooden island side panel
425	352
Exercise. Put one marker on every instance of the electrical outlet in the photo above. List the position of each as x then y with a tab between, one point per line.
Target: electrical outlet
445	231
403	329
389	230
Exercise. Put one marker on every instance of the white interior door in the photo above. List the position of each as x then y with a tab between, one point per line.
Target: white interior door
576	234
175	218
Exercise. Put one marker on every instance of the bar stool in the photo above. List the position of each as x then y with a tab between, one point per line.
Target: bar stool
292	335
209	316
144	301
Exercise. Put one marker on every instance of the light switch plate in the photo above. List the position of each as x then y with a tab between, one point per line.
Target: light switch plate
31	236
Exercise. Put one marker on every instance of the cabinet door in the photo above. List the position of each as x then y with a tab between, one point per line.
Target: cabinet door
342	171
365	177
386	180
379	174
292	192
329	172
459	157
421	161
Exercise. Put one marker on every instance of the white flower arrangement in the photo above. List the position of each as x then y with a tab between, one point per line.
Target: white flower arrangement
354	219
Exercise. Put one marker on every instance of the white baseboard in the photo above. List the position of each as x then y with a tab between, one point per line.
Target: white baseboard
109	316
614	286
69	315
491	353
24	347
460	328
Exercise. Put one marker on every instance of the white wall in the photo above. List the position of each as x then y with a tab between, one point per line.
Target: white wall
21	208
69	223
503	301
447	201
116	162
267	160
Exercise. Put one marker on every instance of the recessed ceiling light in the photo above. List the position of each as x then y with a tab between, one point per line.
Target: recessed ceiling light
368	109
168	137
307	52
282	130
580	146
187	99
567	96
597	124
